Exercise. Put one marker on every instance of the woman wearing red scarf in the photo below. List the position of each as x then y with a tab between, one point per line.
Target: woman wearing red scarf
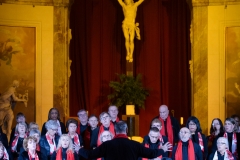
72	132
64	149
197	136
30	153
48	142
222	152
17	142
231	135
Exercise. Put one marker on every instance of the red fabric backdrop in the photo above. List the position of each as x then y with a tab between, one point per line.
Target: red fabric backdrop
97	52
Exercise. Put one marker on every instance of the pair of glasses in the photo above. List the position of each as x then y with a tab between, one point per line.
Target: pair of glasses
55	130
221	143
104	118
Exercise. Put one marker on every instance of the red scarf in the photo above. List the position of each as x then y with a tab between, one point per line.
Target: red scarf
120	136
38	148
5	154
169	129
30	156
101	129
234	143
200	141
70	155
75	139
178	154
14	143
229	154
51	143
147	146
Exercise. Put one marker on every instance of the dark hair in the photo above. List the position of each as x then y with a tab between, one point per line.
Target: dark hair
120	127
92	116
221	126
235	116
71	120
154	129
19	114
196	121
49	113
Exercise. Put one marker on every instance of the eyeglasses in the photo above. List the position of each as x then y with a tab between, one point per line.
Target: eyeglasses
220	143
184	132
192	124
154	137
82	115
158	126
104	118
54	130
106	136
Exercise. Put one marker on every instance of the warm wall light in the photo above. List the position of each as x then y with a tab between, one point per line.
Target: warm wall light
181	120
130	110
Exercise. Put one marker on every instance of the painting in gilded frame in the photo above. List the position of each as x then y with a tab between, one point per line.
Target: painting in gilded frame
18	62
232	70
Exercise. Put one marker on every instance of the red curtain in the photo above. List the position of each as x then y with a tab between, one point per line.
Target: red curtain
97	51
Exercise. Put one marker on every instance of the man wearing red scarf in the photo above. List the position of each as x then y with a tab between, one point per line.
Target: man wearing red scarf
107	125
186	149
170	125
121	148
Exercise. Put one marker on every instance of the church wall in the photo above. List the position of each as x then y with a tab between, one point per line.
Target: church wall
40	17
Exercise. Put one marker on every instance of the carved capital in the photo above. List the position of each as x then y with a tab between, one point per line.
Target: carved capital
198	3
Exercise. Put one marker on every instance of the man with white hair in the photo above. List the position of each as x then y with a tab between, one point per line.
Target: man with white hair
186	149
170	125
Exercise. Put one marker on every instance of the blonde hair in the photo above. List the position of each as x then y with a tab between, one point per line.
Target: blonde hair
24	124
70	146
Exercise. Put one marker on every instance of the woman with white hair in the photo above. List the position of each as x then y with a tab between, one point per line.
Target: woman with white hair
64	149
222	152
48	142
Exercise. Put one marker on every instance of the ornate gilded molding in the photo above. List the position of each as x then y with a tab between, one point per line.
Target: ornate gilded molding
56	3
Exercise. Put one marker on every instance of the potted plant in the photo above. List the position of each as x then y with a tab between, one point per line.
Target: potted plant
128	91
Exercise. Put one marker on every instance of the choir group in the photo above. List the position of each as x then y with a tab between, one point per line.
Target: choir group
58	141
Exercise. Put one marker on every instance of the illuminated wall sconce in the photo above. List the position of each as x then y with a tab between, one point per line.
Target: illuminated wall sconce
181	120
130	110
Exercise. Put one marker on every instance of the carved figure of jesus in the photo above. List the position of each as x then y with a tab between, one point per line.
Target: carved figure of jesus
129	26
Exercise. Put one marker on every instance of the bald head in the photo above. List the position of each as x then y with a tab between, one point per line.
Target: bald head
184	134
163	112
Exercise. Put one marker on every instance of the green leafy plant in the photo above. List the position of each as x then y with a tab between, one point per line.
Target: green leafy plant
128	91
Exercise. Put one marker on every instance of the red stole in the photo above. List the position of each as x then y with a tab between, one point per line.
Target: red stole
169	129
120	136
147	146
70	155
101	129
14	143
200	141
191	155
234	143
38	147
30	156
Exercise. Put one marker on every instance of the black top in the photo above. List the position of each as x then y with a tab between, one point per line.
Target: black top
4	140
121	149
197	151
205	143
24	156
